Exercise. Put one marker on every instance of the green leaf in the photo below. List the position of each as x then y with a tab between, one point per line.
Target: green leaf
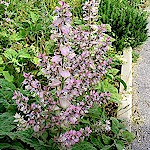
6	122
107	147
24	55
105	86
15	37
35	60
5	85
109	87
85	121
26	137
4	34
1	60
110	76
7	76
50	18
123	83
115	125
107	140
113	71
77	21
34	17
5	145
100	87
128	136
83	146
10	53
45	135
6	93
97	142
95	112
1	69
119	144
16	145
108	27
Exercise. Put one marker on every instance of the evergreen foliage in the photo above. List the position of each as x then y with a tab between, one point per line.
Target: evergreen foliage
127	21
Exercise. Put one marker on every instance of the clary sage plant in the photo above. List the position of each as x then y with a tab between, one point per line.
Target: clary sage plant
78	64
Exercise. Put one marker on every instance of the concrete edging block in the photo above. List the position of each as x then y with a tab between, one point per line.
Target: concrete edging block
125	108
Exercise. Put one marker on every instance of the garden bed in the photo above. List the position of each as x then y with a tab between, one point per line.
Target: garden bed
60	79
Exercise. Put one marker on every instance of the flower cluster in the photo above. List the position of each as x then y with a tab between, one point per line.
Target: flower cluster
107	125
34	114
78	64
21	101
90	11
71	115
102	127
97	98
5	3
79	71
21	122
7	19
72	137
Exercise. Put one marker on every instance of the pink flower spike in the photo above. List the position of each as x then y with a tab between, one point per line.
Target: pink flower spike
64	73
64	50
55	83
56	59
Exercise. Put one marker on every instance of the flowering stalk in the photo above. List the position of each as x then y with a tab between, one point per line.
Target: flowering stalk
77	66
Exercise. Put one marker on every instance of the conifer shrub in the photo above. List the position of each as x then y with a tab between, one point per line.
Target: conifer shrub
127	21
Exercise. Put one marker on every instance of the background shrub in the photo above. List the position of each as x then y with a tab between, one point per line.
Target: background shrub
127	21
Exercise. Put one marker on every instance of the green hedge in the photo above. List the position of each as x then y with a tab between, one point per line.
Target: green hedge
127	21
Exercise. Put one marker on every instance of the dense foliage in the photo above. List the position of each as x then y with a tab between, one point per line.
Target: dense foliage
127	21
58	71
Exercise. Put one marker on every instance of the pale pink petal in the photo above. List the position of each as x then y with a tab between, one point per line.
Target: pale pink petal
56	59
55	83
57	22
68	14
64	50
36	128
65	29
92	65
64	103
64	73
71	55
61	3
26	75
55	107
41	94
52	36
34	84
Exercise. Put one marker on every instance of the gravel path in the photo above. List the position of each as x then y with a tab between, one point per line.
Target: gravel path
141	99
